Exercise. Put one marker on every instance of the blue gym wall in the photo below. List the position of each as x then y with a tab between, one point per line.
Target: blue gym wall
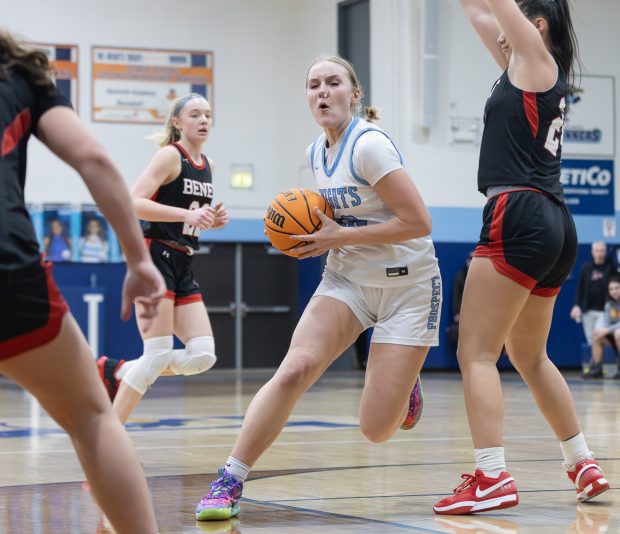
454	234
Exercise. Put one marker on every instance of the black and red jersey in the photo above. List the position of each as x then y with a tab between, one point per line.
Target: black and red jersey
191	189
21	106
522	138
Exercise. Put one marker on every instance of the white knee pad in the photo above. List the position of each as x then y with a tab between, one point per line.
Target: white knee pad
198	357
148	367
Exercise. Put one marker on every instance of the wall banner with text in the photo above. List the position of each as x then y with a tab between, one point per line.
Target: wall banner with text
136	85
589	186
590	128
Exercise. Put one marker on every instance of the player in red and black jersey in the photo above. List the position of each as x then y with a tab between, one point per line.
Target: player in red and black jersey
527	246
173	197
41	346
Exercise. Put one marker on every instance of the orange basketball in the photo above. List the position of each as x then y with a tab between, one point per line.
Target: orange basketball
292	213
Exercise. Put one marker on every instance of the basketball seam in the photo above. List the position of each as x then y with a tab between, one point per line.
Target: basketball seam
277	231
315	227
292	216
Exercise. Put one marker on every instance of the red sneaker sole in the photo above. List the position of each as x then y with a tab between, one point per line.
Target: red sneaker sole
598	487
499	503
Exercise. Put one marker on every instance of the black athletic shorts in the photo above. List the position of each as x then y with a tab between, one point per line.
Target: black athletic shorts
530	237
175	265
31	309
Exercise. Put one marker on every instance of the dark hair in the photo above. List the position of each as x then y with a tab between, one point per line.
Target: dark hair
615	279
564	46
32	64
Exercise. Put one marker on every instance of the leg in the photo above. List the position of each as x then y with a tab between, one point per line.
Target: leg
63	377
391	373
491	305
193	328
127	397
326	328
527	349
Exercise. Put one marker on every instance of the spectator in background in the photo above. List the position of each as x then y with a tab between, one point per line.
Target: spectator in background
592	290
457	296
57	244
93	244
607	331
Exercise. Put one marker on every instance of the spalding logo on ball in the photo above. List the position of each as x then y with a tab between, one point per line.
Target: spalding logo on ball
292	213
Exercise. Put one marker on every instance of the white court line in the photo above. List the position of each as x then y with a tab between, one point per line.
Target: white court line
314	442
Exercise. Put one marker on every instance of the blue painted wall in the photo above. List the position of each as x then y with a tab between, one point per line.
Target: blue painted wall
121	339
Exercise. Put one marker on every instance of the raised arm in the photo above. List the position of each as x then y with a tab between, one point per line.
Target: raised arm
531	66
487	27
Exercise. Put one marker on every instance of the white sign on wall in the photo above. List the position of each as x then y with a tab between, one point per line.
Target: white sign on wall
137	85
590	126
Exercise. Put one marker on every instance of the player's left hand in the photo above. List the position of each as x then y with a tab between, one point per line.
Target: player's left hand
221	216
329	236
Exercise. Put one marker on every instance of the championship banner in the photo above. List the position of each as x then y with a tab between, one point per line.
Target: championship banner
589	128
589	186
64	59
136	85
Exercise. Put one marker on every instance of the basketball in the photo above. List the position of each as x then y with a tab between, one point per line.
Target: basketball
292	213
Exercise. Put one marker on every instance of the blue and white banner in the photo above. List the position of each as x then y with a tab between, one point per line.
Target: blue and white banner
589	129
589	186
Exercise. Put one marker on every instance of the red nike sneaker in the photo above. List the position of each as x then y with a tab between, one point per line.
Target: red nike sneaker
588	478
478	493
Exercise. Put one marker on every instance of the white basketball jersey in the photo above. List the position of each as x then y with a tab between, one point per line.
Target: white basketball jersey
345	180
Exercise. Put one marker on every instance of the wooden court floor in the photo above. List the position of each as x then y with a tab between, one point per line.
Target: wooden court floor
321	476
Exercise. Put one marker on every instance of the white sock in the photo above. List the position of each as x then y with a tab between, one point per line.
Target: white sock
575	450
490	461
238	469
122	370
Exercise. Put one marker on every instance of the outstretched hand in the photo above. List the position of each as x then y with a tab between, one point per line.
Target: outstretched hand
329	236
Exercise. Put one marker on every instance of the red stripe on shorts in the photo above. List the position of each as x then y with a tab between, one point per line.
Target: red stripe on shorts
189	299
46	333
495	249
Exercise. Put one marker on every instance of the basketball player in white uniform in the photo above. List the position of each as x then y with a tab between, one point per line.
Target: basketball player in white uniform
381	272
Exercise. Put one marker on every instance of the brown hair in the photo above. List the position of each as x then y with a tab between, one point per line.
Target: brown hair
32	64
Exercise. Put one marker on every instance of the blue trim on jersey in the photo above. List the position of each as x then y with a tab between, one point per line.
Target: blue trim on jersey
312	157
330	171
355	175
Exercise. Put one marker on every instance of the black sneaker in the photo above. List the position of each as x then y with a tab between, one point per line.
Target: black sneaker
107	373
596	371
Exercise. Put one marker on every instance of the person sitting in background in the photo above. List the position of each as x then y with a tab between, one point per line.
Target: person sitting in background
607	331
592	290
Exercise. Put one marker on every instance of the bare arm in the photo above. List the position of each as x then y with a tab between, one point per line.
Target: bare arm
164	167
487	27
532	67
411	220
66	136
